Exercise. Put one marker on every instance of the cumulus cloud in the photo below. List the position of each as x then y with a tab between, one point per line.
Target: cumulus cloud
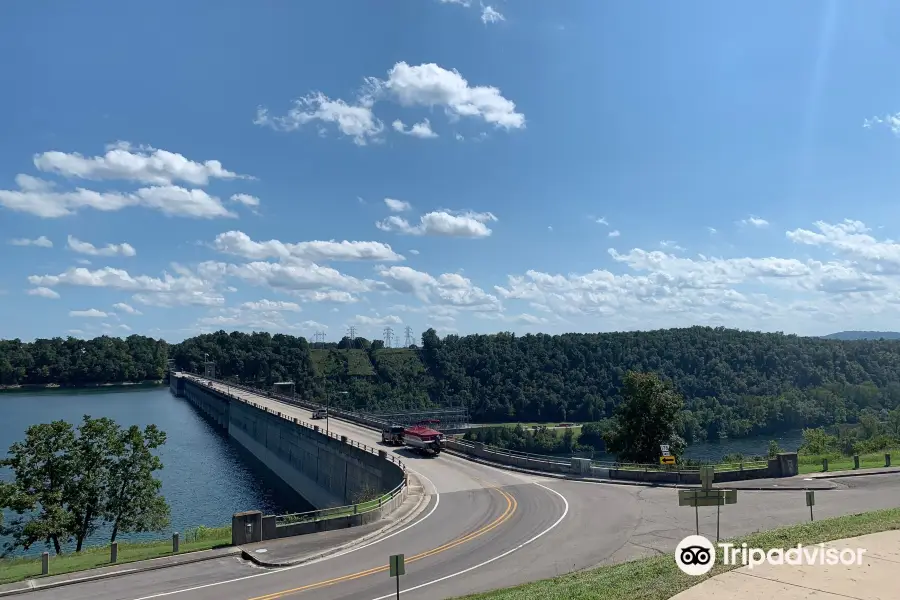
754	222
300	277
449	289
43	292
490	15
245	199
41	242
92	313
892	122
420	130
144	164
170	200
239	243
182	289
376	320
270	305
614	233
126	308
397	205
425	85
123	249
442	223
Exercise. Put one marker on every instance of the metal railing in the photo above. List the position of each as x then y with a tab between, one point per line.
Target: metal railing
279	397
360	508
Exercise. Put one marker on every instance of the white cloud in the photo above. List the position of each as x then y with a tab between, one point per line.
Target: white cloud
301	277
270	305
449	289
334	296
614	233
82	261
465	3
712	230
490	15
41	242
356	120
602	221
123	327
144	164
426	85
246	200
414	252
420	130
397	205
430	85
184	288
43	292
170	200
126	308
123	249
239	243
376	320
671	244
442	223
754	222
92	313
892	122
75	332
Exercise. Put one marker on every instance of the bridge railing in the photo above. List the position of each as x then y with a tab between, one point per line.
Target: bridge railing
359	508
288	400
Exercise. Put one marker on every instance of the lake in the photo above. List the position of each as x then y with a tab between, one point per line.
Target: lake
206	477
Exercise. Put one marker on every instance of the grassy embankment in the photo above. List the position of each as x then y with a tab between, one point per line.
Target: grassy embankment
812	463
200	538
658	578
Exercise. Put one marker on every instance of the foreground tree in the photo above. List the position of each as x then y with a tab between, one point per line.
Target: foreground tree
134	504
647	417
67	486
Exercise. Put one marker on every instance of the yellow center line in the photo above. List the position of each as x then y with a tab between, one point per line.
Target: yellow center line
511	506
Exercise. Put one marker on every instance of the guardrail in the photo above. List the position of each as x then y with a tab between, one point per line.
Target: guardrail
199	380
360	508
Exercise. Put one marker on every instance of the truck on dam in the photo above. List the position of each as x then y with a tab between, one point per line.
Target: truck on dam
423	439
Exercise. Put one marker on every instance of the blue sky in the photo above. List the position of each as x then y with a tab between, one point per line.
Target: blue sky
176	168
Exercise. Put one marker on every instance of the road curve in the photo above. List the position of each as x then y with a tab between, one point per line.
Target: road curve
486	528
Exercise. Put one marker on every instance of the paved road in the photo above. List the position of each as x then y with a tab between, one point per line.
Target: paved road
486	528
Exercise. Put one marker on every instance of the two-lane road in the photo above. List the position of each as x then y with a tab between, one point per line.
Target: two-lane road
486	528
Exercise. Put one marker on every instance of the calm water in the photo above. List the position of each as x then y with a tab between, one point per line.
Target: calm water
206	477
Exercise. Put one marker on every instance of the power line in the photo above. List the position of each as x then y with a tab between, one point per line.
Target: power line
352	332
409	337
388	336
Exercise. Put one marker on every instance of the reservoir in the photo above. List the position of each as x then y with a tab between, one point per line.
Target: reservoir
206	478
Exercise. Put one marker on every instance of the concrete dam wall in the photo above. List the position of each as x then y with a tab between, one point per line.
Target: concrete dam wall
327	472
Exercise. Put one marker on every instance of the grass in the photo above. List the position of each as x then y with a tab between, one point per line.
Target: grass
335	513
811	463
658	578
200	538
358	363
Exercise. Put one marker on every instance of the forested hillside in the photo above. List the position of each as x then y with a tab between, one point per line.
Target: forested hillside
734	383
73	362
863	335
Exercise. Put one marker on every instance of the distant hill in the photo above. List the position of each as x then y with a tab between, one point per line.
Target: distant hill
863	335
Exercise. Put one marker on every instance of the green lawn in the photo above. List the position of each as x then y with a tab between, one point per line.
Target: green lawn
358	363
658	578
836	462
201	538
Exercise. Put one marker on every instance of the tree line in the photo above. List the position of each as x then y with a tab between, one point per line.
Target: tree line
69	481
734	383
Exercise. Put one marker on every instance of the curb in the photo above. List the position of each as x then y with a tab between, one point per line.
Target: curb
858	474
232	552
415	512
631	483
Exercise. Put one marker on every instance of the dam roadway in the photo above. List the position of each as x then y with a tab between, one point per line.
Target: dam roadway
484	528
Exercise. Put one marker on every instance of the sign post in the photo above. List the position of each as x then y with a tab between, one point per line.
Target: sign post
810	501
706	496
398	568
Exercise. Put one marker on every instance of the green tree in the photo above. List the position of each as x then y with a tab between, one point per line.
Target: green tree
647	417
87	490
42	466
134	503
774	449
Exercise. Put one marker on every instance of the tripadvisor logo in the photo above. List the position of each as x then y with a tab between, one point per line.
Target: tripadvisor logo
695	555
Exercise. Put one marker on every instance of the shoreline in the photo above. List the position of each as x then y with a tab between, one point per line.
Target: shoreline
47	387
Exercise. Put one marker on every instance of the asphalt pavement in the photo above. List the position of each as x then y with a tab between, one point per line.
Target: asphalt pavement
486	528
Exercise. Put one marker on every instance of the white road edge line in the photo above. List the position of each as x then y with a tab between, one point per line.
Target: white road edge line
282	570
479	565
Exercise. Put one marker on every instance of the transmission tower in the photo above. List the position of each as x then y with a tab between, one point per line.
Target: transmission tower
388	336
320	338
351	332
409	337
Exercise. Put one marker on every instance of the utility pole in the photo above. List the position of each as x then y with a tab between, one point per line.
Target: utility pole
388	336
351	333
409	337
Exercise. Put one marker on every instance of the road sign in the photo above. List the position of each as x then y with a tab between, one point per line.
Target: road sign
706	497
707	474
810	498
397	565
664	449
398	568
666	460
